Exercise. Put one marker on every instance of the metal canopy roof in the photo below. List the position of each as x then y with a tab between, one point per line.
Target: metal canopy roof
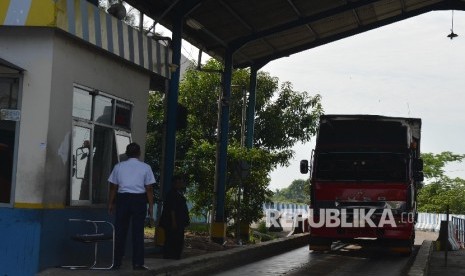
258	31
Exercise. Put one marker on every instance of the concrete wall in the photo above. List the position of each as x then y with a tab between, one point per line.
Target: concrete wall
35	234
32	51
79	63
54	62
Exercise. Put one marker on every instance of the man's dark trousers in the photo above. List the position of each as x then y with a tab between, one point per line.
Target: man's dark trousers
130	206
174	243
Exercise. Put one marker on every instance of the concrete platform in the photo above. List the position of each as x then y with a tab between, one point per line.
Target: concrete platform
427	262
198	265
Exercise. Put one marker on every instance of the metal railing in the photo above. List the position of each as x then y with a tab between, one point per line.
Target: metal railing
459	225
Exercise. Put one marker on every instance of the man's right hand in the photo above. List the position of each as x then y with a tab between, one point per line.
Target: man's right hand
111	207
150	211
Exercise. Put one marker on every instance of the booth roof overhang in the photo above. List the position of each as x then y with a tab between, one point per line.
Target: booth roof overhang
85	21
259	31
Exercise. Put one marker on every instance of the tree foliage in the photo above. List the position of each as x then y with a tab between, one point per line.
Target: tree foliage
441	191
283	117
297	192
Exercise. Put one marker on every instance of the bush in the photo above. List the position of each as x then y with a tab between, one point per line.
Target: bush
262	227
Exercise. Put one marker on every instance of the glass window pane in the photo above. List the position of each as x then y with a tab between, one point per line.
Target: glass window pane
103	110
9	93
101	163
82	104
123	115
121	143
81	164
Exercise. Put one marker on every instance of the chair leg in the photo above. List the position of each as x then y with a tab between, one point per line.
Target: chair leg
96	242
112	250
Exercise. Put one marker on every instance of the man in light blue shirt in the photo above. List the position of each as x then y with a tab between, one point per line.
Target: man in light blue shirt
131	184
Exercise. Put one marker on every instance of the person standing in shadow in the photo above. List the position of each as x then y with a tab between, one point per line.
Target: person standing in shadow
174	219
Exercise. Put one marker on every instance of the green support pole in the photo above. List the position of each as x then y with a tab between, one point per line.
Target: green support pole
218	227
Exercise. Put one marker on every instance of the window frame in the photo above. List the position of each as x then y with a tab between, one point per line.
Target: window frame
91	123
71	167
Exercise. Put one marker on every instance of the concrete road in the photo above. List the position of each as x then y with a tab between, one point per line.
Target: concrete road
365	258
344	259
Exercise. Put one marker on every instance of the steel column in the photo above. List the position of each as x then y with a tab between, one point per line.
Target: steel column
171	108
218	227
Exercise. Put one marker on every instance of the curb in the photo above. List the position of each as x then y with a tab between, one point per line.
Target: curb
420	265
214	262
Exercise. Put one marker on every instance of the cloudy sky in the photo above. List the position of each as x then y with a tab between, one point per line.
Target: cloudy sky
406	69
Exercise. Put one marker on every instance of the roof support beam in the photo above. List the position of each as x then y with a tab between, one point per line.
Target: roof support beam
215	37
407	14
165	12
237	16
237	44
402	4
357	18
269	45
296	10
299	14
244	23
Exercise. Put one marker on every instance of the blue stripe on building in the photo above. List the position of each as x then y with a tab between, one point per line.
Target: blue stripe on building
71	15
158	68
141	49
109	32
131	43
149	54
85	20
119	26
97	27
17	12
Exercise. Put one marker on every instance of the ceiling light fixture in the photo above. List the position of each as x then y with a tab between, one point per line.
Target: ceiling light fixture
194	24
452	34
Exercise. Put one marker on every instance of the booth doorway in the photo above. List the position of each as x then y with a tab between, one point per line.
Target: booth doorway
9	89
101	132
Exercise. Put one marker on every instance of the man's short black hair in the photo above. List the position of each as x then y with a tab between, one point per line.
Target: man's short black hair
133	150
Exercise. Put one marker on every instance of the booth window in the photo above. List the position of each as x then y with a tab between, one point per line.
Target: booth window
9	89
101	132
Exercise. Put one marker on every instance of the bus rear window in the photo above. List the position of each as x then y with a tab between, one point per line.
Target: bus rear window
361	166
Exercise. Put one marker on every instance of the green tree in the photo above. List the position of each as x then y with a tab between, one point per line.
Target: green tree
283	117
155	132
297	192
441	191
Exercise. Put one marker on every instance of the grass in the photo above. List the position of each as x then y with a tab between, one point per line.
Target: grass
196	228
149	232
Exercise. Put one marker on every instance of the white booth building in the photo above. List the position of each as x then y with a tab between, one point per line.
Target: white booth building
74	84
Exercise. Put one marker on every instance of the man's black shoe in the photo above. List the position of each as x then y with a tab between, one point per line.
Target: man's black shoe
140	267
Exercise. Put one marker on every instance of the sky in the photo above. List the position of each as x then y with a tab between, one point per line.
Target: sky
406	69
